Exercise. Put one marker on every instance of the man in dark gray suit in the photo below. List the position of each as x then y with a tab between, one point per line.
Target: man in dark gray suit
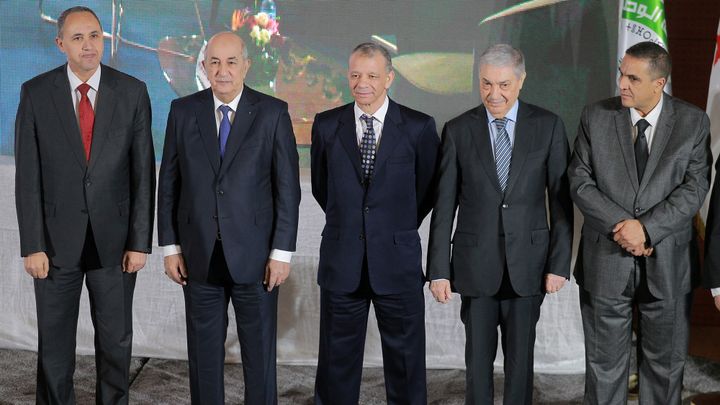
501	163
227	218
84	186
639	173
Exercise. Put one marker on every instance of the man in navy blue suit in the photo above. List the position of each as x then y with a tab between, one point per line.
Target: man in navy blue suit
373	164
227	217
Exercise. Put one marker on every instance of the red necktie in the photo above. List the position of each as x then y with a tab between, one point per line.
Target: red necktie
87	118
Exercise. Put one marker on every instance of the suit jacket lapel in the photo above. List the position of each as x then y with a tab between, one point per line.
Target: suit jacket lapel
481	139
524	131
66	112
623	131
104	109
661	136
348	138
240	129
205	115
391	135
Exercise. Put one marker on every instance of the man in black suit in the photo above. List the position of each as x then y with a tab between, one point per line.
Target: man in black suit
227	217
84	187
373	164
501	163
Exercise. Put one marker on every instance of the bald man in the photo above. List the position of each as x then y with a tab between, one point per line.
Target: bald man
228	202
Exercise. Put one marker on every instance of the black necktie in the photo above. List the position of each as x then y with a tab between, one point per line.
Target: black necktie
641	148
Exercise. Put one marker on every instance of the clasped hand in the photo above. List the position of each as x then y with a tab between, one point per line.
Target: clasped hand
630	235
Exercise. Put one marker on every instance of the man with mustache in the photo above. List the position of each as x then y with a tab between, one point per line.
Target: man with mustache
501	164
85	194
639	174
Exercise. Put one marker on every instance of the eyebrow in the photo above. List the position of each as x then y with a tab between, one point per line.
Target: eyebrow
491	82
80	33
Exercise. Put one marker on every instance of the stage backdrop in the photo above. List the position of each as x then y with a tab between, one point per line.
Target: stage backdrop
299	52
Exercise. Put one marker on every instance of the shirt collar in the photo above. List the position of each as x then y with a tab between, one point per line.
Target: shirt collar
379	115
652	118
233	104
93	81
511	115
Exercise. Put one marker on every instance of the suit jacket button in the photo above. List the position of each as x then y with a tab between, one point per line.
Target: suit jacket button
220	192
367	209
637	210
362	237
214	216
504	205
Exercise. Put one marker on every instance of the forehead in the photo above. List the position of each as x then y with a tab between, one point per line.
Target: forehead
79	22
631	65
362	62
493	73
224	48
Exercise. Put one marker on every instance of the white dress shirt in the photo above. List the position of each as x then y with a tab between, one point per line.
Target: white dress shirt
378	121
652	119
275	254
93	81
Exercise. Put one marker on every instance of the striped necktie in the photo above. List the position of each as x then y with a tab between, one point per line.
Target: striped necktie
503	152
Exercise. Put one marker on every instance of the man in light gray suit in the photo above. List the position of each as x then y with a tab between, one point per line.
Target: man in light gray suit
639	173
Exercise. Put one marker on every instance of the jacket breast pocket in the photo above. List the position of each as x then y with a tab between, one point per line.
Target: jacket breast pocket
399	160
538	154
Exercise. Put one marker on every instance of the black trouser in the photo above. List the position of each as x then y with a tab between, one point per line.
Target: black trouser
517	317
58	301
206	307
343	326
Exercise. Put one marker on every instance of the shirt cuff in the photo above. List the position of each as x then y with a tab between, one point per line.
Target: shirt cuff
169	250
439	279
715	291
275	254
281	255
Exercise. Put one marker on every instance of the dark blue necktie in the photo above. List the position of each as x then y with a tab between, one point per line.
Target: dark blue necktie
224	128
367	147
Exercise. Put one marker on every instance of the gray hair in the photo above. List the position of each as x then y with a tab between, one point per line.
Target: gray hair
504	55
370	48
76	9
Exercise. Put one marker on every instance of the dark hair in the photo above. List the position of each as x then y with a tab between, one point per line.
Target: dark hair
658	58
369	49
76	9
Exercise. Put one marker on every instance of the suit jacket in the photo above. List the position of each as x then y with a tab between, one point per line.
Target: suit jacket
377	222
711	274
604	185
250	197
497	230
57	191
